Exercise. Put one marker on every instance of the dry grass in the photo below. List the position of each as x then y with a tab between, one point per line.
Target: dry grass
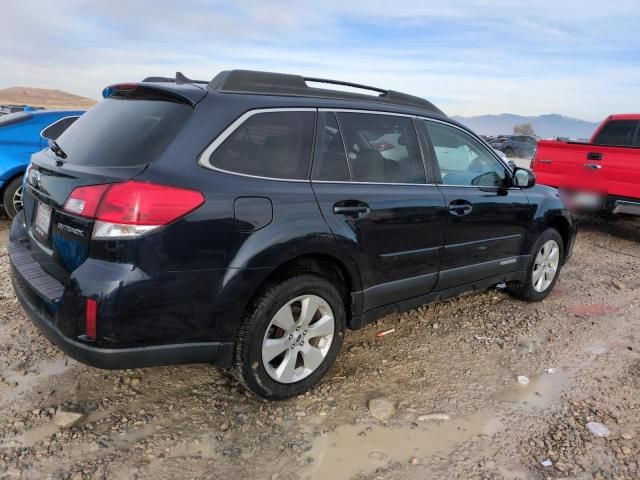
41	97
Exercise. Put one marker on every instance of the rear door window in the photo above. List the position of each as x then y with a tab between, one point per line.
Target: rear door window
617	132
269	144
123	133
382	148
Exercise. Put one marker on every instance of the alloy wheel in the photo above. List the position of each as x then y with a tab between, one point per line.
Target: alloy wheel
298	339
17	199
546	265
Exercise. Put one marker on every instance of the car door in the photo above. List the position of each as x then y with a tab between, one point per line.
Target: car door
615	157
370	182
486	220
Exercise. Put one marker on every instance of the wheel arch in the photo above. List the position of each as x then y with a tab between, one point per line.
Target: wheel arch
328	266
563	226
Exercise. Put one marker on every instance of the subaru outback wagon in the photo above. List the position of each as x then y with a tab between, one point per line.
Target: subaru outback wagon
250	220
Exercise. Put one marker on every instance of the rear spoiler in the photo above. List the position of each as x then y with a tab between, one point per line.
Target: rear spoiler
155	88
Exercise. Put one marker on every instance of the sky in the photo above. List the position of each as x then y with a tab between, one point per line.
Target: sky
576	58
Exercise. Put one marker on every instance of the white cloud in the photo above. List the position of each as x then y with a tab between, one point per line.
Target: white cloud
469	57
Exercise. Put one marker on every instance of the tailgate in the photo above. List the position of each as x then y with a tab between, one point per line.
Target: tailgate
113	142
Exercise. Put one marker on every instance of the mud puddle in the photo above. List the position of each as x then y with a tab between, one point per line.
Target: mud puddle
352	449
35	376
542	390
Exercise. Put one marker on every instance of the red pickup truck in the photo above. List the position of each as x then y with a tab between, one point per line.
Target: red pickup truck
601	175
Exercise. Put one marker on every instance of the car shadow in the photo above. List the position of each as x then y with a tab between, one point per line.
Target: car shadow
626	227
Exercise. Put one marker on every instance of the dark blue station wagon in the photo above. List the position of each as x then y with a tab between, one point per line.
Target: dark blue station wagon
250	220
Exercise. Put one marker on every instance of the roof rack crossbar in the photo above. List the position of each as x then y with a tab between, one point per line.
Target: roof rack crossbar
346	84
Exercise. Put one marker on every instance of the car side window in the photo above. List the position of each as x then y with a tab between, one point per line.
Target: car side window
269	144
462	159
330	162
53	131
617	132
382	148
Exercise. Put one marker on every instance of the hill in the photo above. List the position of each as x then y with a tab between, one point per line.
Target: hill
546	126
42	97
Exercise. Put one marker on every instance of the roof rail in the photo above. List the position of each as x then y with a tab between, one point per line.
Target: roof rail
179	79
249	81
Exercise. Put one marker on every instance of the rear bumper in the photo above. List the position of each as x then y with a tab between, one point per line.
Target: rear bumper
56	307
218	353
604	203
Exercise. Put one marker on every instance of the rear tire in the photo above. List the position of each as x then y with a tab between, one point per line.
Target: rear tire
544	268
12	197
290	336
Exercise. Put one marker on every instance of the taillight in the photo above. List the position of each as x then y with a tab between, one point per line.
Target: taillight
130	209
84	201
532	164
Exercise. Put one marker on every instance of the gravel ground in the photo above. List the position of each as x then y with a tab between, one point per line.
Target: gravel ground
446	398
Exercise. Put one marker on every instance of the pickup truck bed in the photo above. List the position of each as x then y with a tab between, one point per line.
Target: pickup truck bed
596	175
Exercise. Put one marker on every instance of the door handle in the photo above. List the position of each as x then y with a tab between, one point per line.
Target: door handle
594	156
546	161
460	209
351	208
592	166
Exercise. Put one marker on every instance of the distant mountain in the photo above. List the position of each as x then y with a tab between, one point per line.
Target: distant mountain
546	126
42	97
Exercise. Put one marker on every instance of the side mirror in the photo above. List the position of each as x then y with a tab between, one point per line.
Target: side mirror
523	178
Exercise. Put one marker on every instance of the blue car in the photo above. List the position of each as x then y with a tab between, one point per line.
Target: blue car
21	135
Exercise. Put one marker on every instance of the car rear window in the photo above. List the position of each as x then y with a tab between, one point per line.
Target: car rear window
122	133
56	129
617	132
270	144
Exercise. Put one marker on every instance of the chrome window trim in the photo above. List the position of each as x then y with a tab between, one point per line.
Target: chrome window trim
55	123
378	183
203	159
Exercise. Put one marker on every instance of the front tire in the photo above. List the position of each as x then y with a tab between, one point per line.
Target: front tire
290	336
12	197
544	268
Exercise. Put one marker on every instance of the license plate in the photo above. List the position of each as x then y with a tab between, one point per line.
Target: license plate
42	222
587	200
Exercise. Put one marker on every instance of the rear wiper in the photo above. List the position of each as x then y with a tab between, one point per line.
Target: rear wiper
55	148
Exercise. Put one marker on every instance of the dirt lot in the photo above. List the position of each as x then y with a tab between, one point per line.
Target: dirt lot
459	360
